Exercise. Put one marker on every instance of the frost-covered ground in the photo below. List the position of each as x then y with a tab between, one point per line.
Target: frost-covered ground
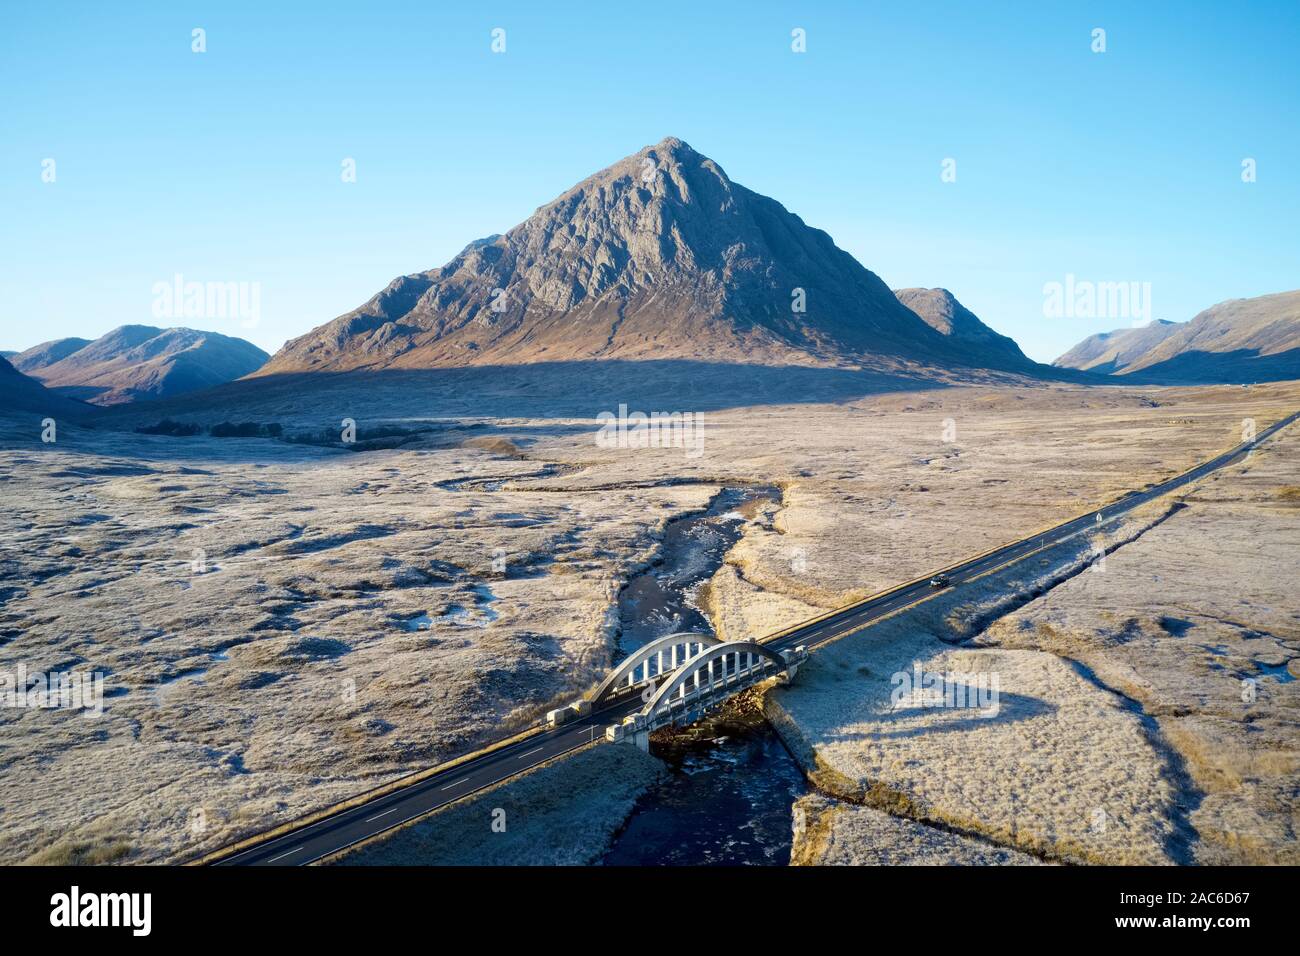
562	814
830	832
1196	626
1023	769
1148	710
285	625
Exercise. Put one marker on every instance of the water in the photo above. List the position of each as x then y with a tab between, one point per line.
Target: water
481	615
1282	673
662	600
731	784
725	802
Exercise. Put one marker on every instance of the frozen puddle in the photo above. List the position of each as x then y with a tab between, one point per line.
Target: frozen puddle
167	686
1282	673
457	615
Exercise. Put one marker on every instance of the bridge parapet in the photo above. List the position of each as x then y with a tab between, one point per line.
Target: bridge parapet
703	682
640	672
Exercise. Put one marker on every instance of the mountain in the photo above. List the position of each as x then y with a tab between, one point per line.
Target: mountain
1109	352
22	393
139	362
659	256
939	309
1240	340
47	353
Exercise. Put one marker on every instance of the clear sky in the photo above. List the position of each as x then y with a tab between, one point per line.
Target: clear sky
225	166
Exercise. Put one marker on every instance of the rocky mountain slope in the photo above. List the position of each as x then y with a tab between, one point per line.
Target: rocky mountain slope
1109	352
659	256
47	353
21	393
940	310
139	362
1240	340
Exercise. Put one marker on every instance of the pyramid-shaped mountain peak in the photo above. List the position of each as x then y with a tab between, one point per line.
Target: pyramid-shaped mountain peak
659	255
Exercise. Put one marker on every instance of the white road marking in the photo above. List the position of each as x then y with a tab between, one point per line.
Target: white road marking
530	753
1064	532
283	855
384	814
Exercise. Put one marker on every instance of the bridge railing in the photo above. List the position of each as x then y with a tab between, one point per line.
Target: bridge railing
644	668
703	683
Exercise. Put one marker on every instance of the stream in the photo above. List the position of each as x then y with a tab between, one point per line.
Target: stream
727	797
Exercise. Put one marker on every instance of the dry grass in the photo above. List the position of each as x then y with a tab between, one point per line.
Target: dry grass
564	813
1028	777
834	833
303	684
497	446
81	853
1208	609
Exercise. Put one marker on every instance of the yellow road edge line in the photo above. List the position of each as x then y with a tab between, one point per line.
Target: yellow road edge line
335	855
777	635
401	783
851	631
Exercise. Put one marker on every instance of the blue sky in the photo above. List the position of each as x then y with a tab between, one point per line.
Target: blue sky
225	166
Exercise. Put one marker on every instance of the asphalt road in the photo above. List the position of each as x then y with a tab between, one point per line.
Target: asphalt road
334	833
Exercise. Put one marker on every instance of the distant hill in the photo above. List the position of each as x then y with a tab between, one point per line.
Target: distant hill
940	310
137	362
22	393
47	353
1109	352
1240	340
661	256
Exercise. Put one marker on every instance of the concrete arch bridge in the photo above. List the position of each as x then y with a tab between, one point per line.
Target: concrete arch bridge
678	679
